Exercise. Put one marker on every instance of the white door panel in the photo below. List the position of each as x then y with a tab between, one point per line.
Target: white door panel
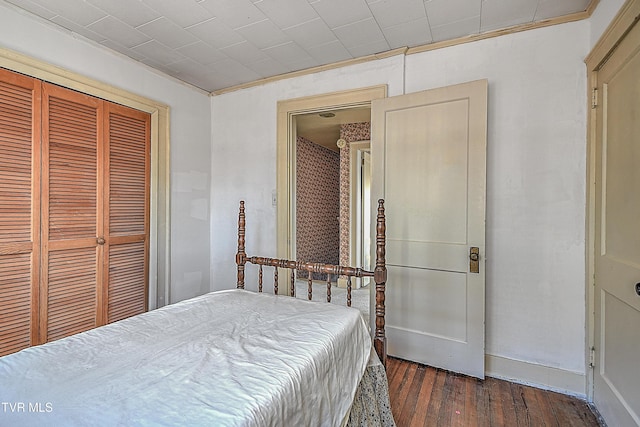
440	256
617	236
433	197
428	153
406	302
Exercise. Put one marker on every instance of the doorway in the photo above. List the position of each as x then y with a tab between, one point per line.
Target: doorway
317	195
289	114
333	178
325	206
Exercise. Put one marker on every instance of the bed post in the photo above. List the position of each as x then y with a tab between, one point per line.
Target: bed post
380	277
241	256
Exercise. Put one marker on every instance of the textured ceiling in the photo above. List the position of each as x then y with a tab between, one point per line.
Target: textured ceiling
216	44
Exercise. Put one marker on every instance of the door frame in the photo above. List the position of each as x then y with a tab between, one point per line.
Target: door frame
160	195
286	153
356	209
615	32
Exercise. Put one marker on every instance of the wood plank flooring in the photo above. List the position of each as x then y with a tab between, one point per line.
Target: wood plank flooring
425	396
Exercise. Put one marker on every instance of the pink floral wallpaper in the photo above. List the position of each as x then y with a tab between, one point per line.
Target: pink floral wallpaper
350	132
317	204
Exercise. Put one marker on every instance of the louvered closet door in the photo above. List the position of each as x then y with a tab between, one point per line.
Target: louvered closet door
126	211
19	216
71	213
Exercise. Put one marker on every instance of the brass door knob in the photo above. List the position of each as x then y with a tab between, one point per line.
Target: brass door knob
101	240
474	257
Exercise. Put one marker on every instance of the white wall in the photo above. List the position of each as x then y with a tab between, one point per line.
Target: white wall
602	16
535	302
190	132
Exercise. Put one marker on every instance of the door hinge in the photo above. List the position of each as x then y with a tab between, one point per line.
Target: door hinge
594	97
592	357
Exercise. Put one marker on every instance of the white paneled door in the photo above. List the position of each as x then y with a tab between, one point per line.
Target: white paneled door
617	236
429	157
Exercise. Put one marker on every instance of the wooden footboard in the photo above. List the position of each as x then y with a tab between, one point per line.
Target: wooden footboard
379	274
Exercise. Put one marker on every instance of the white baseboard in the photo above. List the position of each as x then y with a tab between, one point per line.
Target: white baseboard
540	376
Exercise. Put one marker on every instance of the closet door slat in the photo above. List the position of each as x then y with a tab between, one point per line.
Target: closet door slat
127	211
72	293
20	98
72	212
127	280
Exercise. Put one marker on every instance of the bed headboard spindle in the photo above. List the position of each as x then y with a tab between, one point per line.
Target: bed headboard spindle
380	277
293	283
275	281
241	256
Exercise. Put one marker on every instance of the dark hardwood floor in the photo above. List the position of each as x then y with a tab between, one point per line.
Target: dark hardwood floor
425	396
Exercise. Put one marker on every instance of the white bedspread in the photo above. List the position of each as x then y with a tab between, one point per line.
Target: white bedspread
225	358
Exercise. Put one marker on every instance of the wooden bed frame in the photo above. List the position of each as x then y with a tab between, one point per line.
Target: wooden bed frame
379	274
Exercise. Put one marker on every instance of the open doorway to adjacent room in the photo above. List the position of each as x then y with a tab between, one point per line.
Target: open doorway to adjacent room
340	108
332	197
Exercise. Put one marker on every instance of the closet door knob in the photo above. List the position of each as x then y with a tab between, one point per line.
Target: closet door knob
101	240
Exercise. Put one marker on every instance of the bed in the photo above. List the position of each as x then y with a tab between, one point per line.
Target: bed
231	357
